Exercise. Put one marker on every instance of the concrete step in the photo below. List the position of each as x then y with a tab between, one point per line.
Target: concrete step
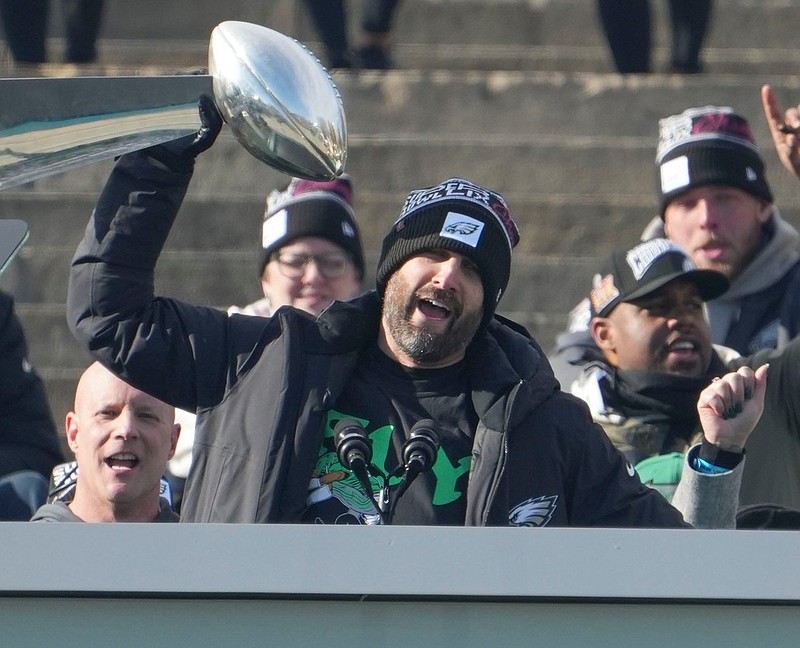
580	58
746	36
552	225
514	119
476	103
140	57
735	23
54	347
598	166
60	387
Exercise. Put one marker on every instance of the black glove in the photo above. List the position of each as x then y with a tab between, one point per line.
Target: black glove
178	155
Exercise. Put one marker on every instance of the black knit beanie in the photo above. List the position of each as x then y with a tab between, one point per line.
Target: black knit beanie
311	208
455	215
709	145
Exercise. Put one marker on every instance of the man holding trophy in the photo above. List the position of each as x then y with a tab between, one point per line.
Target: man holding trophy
413	404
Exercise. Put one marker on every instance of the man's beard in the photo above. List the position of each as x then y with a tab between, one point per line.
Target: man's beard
728	268
420	344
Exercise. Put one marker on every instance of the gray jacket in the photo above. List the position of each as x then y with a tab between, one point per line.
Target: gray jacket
59	511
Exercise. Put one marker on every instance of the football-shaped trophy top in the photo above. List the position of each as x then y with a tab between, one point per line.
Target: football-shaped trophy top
278	100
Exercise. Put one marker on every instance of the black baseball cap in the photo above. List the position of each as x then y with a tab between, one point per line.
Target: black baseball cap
633	272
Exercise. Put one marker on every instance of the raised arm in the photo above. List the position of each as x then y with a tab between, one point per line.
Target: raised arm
111	306
729	409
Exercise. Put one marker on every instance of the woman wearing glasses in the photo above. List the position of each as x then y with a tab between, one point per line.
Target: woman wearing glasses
311	248
311	256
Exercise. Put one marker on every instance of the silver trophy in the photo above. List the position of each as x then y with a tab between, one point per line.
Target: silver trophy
278	100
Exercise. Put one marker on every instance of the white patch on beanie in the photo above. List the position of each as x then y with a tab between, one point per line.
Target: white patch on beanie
274	228
675	174
462	228
347	229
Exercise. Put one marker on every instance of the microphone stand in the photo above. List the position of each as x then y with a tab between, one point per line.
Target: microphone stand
355	453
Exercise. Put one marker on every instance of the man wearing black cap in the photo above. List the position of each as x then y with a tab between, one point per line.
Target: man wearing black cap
275	396
715	202
647	306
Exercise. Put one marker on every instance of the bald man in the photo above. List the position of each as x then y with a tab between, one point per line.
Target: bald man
122	439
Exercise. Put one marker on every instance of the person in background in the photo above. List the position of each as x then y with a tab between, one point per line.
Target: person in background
627	27
29	445
25	27
311	249
375	49
657	358
122	439
715	203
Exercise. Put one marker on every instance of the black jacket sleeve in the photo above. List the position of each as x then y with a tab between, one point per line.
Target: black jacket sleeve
150	342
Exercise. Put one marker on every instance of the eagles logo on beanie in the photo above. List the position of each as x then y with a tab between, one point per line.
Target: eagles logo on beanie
455	215
709	145
312	208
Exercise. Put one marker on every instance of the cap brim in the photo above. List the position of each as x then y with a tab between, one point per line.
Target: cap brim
710	284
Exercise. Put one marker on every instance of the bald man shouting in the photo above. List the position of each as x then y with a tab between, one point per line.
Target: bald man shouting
122	439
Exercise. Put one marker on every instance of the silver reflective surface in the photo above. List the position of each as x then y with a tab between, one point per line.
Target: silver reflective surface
278	100
51	125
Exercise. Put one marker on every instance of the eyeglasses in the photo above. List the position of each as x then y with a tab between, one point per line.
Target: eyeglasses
331	265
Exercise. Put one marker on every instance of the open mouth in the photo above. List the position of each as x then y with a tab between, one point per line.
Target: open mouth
713	249
683	349
433	308
122	461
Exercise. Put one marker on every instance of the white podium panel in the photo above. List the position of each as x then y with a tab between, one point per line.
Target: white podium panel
240	585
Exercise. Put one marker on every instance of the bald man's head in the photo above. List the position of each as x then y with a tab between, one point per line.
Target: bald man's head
122	439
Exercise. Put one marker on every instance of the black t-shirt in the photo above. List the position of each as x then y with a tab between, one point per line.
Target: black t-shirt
388	399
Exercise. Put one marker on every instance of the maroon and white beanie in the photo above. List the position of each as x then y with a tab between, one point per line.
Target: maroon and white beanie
708	145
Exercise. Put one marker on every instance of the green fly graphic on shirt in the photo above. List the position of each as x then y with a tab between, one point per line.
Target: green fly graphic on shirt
332	481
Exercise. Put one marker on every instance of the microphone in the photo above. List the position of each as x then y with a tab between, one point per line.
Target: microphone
352	445
419	455
419	451
355	453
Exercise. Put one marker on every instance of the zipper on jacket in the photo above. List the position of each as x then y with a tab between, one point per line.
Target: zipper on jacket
504	456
